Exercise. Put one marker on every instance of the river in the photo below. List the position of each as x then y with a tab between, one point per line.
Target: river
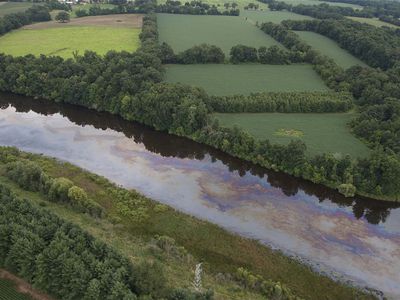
357	239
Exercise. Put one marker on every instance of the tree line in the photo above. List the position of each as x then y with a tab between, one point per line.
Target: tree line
282	102
195	8
30	176
204	54
16	20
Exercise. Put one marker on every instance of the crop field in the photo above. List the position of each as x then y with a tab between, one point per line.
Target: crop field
8	291
100	34
330	48
322	133
316	2
184	31
271	16
13	7
245	79
373	21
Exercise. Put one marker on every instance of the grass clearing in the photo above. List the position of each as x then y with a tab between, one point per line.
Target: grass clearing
245	79
373	21
330	48
51	38
272	16
13	7
220	250
322	133
185	31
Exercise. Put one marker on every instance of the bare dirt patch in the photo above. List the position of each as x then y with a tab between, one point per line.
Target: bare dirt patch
126	20
24	287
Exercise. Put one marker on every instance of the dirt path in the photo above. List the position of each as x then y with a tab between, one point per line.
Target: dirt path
24	287
125	20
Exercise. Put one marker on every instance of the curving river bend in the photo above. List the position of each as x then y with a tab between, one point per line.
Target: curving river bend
357	238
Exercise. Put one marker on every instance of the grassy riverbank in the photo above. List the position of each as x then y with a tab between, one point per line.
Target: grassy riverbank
132	225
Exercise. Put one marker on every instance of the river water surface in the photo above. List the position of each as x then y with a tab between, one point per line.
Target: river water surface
356	238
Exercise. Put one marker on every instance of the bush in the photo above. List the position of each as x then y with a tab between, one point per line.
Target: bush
347	189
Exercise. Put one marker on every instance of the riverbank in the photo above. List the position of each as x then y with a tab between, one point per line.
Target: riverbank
221	251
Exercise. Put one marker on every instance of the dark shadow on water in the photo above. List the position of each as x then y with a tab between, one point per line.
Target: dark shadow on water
172	146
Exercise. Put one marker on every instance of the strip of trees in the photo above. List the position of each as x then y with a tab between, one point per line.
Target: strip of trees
283	102
14	21
196	8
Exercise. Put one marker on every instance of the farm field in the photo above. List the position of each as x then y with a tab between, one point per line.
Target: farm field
13	7
330	48
9	292
271	16
322	133
99	34
373	21
245	79
185	31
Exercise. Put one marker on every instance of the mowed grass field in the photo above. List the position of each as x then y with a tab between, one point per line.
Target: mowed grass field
13	7
271	16
100	34
322	133
330	48
185	31
373	21
227	79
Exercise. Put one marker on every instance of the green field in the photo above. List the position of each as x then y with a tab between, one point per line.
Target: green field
321	132
8	291
246	79
64	40
13	7
184	31
330	48
316	2
271	16
373	21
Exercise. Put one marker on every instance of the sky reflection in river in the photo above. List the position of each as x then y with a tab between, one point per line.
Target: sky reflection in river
323	232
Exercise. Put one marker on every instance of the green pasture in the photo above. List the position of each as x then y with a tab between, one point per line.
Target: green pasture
13	7
322	133
245	79
185	31
316	2
330	48
8	291
63	41
271	16
373	21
